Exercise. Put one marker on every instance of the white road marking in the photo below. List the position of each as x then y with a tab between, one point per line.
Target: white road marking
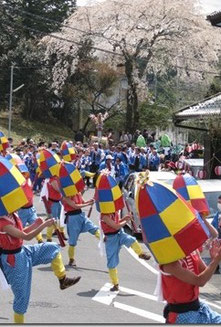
139	312
138	293
154	271
211	304
105	296
143	262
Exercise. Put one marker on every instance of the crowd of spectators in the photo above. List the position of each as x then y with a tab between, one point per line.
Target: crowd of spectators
133	153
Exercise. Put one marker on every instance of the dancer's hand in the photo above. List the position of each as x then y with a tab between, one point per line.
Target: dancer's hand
215	250
128	217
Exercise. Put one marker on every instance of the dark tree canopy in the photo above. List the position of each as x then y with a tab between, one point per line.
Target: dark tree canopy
27	17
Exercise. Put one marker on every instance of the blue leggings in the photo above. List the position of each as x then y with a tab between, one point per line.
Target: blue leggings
77	224
27	216
203	316
20	276
113	244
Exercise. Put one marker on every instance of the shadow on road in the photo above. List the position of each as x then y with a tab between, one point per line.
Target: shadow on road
68	268
122	294
3	318
91	293
90	269
45	269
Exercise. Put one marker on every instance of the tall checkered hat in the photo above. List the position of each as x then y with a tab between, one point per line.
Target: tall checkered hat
3	142
108	195
70	179
48	163
14	191
189	189
171	228
18	162
68	151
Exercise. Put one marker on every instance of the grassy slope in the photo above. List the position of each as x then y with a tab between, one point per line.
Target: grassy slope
21	128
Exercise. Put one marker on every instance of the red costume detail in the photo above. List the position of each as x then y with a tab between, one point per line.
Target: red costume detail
172	317
76	198
106	228
177	291
52	193
29	195
8	242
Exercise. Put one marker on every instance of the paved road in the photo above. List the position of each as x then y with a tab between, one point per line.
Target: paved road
90	301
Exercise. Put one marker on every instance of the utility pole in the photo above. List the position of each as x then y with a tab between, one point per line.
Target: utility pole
10	101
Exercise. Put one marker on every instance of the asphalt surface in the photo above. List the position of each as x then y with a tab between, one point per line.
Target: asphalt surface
89	301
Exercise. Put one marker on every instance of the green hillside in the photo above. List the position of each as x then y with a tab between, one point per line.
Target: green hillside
21	128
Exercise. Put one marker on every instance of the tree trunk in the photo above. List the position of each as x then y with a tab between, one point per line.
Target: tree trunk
132	114
212	155
26	108
85	125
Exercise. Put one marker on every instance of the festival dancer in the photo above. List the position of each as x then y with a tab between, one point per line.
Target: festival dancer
27	213
72	184
54	201
48	163
174	231
77	222
17	259
109	200
180	285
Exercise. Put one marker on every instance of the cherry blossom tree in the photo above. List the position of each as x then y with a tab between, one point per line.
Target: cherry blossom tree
141	36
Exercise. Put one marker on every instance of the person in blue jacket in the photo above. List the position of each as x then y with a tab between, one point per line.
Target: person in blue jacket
216	222
121	171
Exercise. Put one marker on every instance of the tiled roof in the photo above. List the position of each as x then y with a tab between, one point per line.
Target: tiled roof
215	18
206	108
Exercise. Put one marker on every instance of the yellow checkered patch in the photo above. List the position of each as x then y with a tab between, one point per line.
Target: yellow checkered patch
75	176
4	139
70	190
176	216
67	157
17	175
14	200
116	192
54	170
195	192
107	207
166	250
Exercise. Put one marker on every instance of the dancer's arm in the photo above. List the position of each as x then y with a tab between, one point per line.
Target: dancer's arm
15	232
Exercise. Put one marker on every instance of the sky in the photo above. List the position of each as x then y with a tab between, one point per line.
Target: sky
211	5
208	6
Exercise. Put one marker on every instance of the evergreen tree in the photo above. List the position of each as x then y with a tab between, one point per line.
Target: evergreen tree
31	18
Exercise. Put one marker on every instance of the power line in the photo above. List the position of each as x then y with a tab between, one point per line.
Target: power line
65	39
114	53
104	50
70	41
88	32
63	25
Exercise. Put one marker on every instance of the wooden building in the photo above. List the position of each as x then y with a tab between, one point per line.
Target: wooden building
205	116
215	18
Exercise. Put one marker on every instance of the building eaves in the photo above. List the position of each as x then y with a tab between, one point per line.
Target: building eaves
215	18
